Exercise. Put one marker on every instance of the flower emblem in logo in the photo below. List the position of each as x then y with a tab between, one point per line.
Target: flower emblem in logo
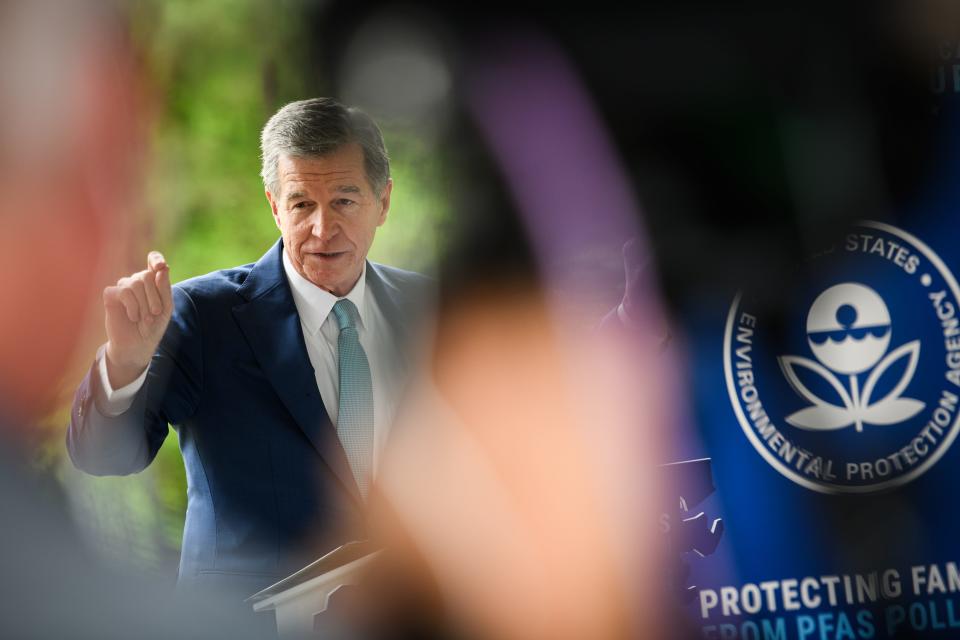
848	330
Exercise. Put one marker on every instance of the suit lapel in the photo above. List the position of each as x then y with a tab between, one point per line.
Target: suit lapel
271	325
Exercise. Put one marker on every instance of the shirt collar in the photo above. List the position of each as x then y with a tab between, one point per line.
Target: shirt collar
315	304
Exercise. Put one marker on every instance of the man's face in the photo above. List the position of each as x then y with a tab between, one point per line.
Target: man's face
327	213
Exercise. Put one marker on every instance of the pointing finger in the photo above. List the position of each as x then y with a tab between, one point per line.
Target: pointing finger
156	261
149	280
162	279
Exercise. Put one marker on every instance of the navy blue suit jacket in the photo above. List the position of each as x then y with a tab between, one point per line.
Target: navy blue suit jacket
268	483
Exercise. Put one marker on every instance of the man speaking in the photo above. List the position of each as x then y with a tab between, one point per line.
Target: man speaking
279	377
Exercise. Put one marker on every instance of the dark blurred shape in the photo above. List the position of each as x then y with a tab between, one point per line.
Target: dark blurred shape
689	482
752	135
685	485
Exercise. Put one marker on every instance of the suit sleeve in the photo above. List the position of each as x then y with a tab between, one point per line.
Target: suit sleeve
128	443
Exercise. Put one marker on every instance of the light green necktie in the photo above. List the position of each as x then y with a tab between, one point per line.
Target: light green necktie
355	420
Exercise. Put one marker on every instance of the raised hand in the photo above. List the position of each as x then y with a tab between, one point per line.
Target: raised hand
137	311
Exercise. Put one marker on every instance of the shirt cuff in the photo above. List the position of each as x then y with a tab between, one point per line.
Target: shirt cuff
115	401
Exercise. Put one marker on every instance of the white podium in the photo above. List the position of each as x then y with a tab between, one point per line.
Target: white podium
299	598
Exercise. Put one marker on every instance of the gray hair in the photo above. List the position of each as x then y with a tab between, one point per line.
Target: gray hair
317	127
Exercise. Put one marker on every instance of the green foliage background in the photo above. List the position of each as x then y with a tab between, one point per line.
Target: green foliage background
217	70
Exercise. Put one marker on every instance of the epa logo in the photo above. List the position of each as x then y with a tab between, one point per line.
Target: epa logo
848	330
860	392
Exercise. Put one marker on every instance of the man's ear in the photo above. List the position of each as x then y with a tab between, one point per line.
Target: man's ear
274	207
385	201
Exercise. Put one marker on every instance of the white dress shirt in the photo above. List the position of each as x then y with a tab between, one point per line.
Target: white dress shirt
320	333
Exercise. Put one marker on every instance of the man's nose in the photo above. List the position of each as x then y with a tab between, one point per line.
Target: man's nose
324	223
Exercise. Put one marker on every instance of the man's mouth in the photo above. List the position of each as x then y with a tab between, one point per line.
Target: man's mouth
328	255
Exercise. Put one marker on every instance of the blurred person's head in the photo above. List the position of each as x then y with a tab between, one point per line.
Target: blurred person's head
327	177
67	127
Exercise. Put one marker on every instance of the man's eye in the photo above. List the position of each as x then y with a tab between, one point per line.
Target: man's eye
300	205
344	202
